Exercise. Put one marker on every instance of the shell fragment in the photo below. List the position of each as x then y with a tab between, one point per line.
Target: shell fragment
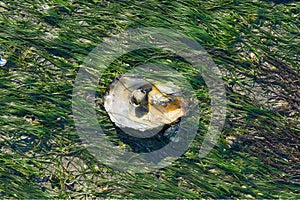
2	62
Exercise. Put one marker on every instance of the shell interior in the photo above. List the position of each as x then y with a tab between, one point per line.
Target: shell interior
144	104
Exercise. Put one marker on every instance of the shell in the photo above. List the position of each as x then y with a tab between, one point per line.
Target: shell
143	104
2	62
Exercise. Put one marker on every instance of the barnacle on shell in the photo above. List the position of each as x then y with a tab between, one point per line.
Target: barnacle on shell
144	104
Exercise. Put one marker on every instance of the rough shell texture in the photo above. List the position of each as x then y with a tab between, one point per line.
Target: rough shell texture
144	104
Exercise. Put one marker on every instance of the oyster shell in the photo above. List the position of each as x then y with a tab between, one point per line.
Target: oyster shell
143	104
